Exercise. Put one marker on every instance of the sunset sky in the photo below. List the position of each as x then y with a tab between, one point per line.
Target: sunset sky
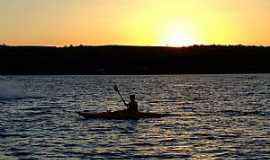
136	22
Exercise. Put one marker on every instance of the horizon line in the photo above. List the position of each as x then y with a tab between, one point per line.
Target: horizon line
128	45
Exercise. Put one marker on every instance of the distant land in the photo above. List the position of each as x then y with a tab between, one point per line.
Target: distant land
130	60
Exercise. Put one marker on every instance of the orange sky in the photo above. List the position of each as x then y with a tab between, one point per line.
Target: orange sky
137	22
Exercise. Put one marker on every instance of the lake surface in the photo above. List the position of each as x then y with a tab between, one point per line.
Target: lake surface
220	117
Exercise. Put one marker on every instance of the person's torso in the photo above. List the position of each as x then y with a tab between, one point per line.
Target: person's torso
133	106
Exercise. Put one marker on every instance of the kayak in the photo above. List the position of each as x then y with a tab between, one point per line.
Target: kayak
121	115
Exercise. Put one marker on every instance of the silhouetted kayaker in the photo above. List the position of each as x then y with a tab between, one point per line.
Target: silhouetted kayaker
132	106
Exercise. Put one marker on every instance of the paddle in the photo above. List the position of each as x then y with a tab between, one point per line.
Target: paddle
117	90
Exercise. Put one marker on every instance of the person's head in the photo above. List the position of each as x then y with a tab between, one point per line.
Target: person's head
132	97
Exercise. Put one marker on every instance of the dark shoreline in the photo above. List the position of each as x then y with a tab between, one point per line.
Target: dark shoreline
133	60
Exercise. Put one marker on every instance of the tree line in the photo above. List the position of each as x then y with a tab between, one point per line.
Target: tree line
126	60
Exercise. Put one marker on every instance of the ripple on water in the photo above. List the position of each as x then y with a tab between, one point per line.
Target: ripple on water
217	117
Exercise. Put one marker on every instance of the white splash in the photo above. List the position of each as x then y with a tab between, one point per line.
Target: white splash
10	89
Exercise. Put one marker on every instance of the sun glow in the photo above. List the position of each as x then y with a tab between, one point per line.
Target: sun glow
178	39
140	22
177	34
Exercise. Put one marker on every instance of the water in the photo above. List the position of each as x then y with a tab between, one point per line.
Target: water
221	117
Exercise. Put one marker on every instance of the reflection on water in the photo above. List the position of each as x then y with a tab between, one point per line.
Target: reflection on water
217	117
